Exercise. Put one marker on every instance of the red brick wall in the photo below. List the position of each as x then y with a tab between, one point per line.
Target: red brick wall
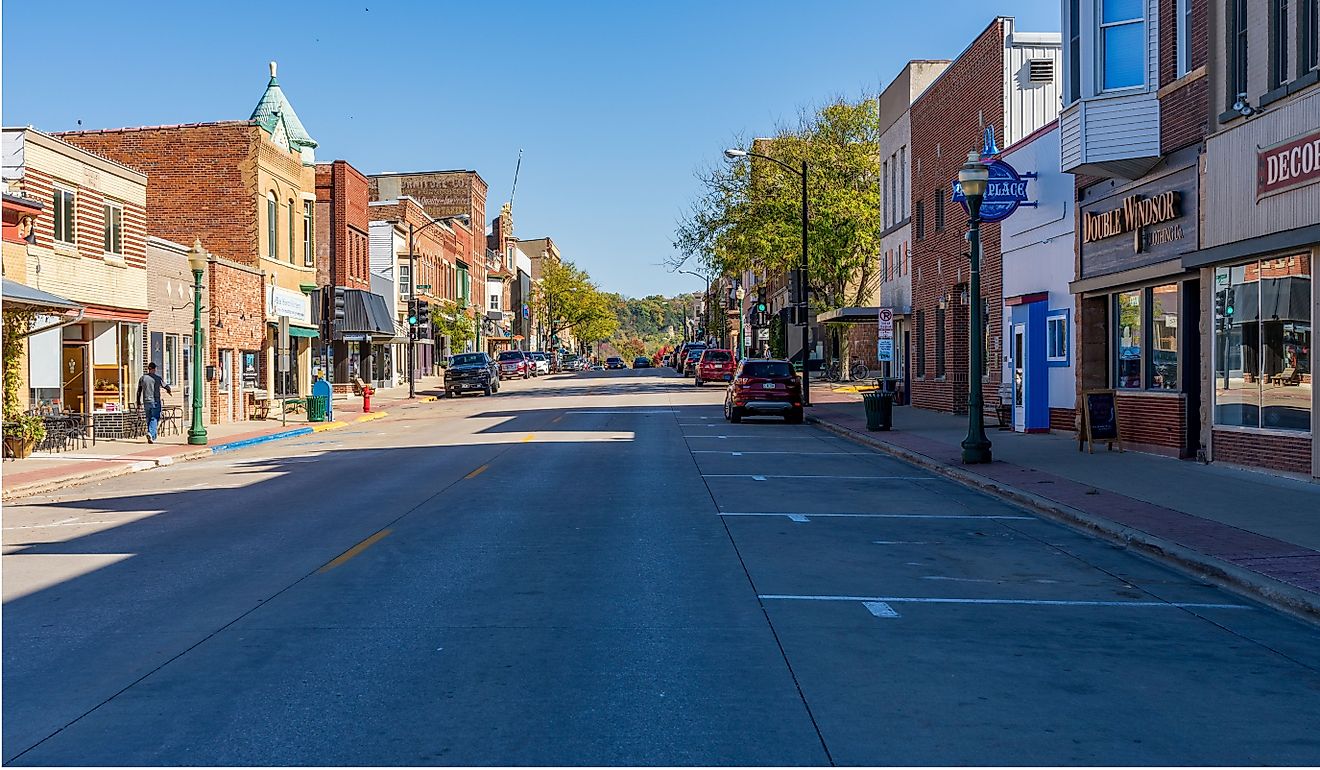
1152	421
88	218
946	125
1063	420
434	246
342	194
238	325
1184	116
196	178
1263	450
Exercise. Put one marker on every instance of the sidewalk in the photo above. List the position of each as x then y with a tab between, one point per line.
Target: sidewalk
45	472
1256	532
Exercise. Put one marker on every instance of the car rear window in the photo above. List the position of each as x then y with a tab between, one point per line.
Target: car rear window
715	355
511	355
767	369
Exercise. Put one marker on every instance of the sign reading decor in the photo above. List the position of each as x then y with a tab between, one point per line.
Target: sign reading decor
1287	165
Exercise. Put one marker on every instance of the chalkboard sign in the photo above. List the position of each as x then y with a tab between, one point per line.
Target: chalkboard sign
1099	420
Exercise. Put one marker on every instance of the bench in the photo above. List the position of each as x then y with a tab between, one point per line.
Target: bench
260	408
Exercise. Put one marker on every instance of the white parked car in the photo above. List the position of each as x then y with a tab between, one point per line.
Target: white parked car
542	363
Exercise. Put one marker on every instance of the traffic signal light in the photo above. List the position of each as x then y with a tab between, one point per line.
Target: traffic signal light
341	301
760	300
423	317
412	312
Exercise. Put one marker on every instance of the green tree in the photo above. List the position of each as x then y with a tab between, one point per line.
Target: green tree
454	324
568	301
747	215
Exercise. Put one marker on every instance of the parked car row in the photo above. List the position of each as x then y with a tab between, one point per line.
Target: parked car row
523	363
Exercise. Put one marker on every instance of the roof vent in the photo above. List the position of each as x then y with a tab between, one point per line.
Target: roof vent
1042	71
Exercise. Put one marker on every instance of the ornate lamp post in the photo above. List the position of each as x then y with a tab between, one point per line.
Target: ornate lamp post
197	258
802	299
740	294
973	177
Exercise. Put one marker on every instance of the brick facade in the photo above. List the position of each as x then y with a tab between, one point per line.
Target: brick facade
946	125
1184	110
1157	423
342	224
1291	454
237	326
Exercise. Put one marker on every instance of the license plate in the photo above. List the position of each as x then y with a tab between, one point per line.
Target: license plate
728	378
769	386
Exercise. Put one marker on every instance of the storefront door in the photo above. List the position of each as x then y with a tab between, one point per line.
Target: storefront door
1019	377
74	374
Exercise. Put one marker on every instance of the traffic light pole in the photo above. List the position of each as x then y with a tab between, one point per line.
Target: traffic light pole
802	288
412	304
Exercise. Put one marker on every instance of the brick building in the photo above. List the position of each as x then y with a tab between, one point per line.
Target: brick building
87	243
1132	134
360	343
1005	80
1260	230
246	189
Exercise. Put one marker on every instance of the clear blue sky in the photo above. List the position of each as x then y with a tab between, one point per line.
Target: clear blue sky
615	104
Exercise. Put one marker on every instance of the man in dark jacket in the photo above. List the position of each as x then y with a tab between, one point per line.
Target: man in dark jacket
148	396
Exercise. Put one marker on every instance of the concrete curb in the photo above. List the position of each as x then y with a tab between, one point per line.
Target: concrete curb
102	474
1295	601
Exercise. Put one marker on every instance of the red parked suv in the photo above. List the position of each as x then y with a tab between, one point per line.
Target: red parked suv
714	365
515	363
763	386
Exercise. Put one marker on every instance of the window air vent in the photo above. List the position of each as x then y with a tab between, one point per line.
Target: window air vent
1042	70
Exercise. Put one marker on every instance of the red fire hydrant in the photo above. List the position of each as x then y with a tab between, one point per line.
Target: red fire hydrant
366	398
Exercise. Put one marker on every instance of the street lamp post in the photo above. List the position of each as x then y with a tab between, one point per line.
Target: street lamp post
197	258
412	296
706	307
740	294
802	299
973	177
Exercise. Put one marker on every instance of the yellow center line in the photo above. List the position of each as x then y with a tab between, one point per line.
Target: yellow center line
354	551
557	419
477	472
528	437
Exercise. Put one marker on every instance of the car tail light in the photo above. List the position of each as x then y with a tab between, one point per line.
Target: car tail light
742	381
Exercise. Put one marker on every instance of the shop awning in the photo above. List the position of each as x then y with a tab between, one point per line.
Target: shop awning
850	315
20	296
302	331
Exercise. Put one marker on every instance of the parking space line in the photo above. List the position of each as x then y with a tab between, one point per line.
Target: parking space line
763	478
880	609
1025	602
886	515
799	518
814	454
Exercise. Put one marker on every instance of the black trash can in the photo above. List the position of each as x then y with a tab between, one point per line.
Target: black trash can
879	405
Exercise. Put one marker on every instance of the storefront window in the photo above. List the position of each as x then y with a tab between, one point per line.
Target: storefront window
1164	337
226	369
1127	316
1263	344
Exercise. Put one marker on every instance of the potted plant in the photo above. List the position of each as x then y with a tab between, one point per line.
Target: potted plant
22	434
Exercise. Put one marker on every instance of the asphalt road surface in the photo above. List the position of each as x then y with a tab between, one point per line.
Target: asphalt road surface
597	569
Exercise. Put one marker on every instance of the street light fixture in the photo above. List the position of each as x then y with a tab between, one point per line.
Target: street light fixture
706	278
197	259
412	294
801	301
973	178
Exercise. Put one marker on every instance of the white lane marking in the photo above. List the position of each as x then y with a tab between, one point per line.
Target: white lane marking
900	542
763	478
880	609
890	515
958	579
61	523
735	454
1035	602
655	411
799	518
813	454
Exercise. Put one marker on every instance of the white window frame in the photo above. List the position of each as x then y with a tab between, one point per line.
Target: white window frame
405	281
1060	320
902	183
272	224
1099	44
309	219
112	231
72	214
1184	48
884	191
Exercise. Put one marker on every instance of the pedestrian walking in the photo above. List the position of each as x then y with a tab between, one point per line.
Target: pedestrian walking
148	397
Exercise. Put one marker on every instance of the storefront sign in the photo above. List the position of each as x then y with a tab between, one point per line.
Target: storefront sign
1141	226
1006	190
294	304
1287	165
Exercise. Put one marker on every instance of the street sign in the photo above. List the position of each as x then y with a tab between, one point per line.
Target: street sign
884	346
763	333
423	287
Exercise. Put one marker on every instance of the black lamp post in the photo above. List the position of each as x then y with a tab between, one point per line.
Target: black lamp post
707	295
197	259
802	299
972	178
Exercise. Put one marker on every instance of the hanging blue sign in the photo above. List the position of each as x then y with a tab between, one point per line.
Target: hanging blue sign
1006	189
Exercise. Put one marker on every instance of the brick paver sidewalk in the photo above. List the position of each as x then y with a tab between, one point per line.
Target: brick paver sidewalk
1273	568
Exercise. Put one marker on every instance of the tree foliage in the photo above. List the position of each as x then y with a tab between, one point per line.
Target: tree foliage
748	215
455	324
566	300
